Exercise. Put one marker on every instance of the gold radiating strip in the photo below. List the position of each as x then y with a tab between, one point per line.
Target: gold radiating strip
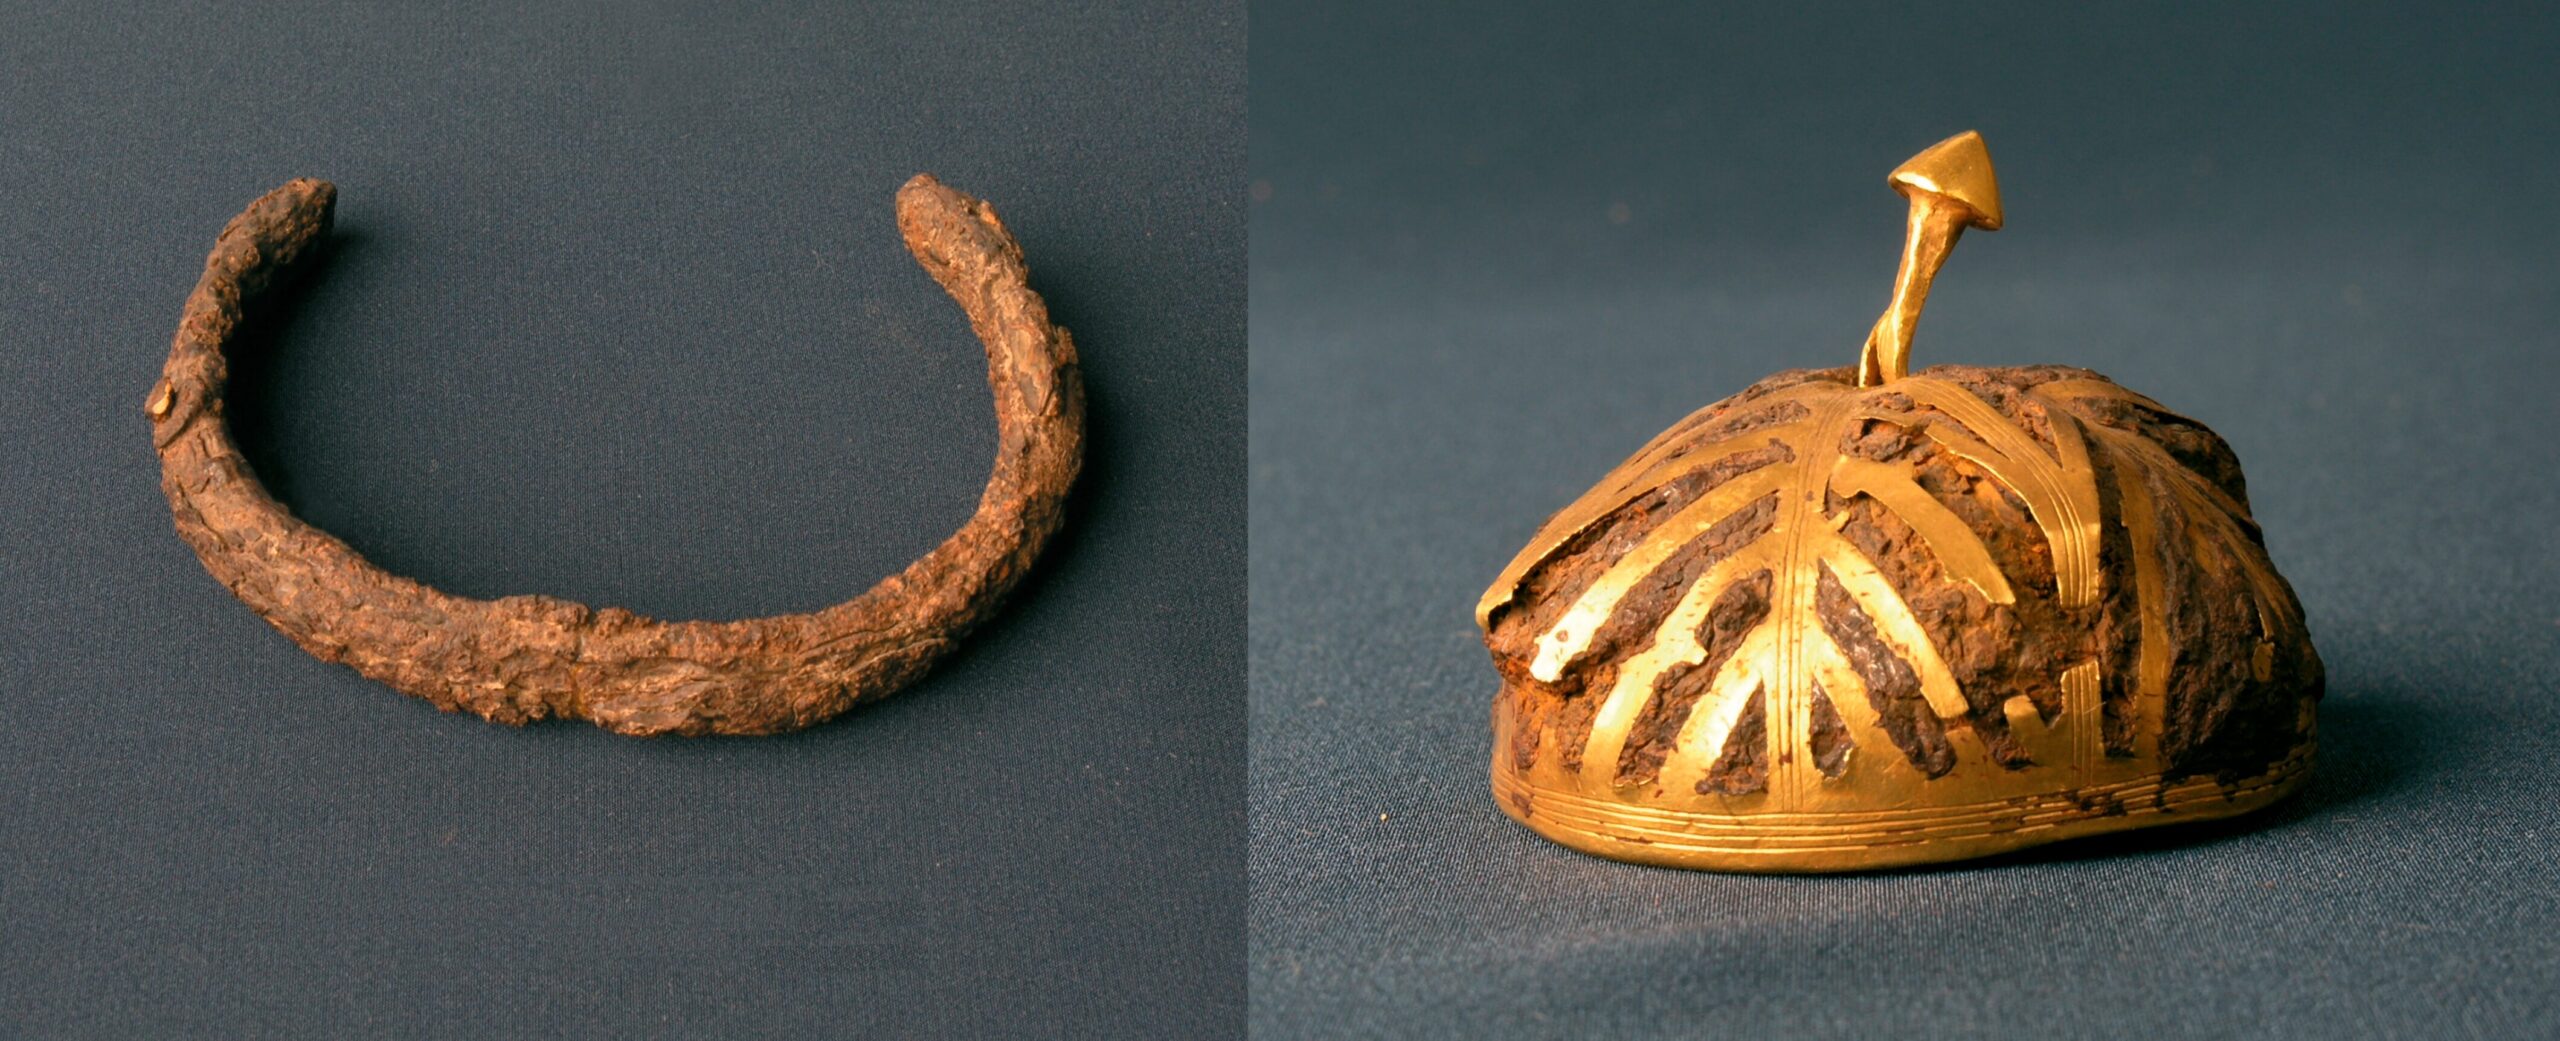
2151	669
2081	707
1571	633
2224	520
1794	590
1710	725
1848	693
1955	545
1649	468
2064	504
1784	655
1675	643
1897	626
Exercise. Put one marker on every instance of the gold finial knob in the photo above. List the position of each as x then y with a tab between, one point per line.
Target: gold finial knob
1950	186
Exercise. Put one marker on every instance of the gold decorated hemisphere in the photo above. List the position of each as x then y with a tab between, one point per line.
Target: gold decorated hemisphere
529	657
1860	617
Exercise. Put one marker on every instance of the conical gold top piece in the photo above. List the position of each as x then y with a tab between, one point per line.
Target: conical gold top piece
1951	187
1958	170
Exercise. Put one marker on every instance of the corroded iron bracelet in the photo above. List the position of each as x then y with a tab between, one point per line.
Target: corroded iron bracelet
522	658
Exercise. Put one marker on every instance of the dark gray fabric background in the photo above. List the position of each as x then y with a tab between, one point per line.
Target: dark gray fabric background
619	312
2328	231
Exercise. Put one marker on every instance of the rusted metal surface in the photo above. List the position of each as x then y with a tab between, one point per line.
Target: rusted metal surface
518	659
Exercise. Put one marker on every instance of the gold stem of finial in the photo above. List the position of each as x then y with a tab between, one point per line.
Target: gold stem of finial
1950	187
1934	229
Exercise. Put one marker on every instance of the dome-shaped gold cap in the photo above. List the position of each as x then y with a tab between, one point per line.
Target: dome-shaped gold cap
1857	618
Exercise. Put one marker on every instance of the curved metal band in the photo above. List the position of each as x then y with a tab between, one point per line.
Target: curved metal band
522	658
